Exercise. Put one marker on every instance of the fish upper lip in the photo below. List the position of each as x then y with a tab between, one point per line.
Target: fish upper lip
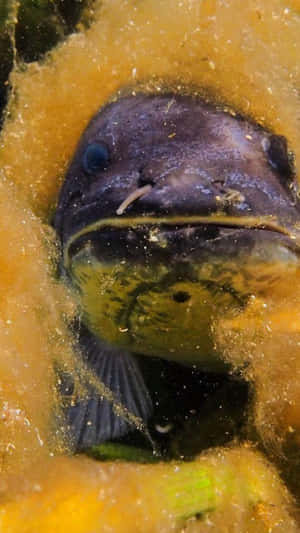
267	223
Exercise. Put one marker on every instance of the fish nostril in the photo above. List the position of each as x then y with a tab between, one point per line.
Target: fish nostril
181	296
145	179
219	185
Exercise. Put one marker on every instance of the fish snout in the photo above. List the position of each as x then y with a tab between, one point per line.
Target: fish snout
182	191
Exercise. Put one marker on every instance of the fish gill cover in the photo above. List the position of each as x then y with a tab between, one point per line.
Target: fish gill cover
241	55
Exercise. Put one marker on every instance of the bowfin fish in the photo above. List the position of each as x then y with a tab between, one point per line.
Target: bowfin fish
173	212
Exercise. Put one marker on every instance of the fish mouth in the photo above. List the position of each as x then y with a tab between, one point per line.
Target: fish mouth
156	227
179	275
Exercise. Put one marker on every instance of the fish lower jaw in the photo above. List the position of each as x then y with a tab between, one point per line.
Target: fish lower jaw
172	322
170	310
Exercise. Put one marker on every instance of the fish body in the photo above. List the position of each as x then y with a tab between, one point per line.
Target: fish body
172	214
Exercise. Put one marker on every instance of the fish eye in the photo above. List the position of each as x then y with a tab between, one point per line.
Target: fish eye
95	157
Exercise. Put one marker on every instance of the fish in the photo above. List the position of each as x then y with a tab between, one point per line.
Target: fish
174	210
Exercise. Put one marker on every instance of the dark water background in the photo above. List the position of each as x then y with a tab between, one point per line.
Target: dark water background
39	26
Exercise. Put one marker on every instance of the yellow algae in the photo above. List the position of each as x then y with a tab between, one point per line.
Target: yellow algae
233	490
32	333
267	337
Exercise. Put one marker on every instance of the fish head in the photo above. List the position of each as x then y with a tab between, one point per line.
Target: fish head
173	213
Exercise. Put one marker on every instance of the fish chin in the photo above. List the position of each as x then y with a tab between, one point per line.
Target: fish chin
167	304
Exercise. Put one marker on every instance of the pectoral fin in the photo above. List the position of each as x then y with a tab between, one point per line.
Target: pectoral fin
100	417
